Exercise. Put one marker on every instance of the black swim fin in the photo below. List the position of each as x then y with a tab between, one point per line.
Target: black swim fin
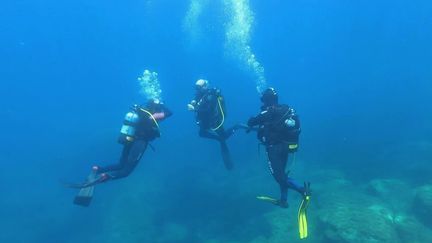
273	201
226	156
267	199
85	194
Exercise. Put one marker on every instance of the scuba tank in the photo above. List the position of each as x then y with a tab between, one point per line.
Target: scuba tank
130	123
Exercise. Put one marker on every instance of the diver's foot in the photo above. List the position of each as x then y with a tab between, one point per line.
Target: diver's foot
306	193
103	177
282	204
95	169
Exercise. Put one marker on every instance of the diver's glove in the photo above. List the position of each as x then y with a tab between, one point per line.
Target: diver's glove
158	116
290	122
191	106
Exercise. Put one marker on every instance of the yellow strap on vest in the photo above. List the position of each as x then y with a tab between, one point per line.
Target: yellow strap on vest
293	146
151	116
222	113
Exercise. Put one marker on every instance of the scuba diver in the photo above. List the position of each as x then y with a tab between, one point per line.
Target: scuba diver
278	129
210	111
140	126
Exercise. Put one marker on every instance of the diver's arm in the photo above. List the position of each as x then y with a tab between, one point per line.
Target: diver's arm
295	118
259	119
159	116
165	113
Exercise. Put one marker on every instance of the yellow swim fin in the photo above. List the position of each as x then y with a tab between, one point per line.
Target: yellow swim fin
302	219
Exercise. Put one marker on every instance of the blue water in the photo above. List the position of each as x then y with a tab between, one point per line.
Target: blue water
358	73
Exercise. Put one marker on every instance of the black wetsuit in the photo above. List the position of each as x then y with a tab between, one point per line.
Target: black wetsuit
210	115
146	131
279	140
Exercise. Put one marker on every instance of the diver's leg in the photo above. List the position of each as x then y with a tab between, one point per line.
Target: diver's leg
293	185
225	134
230	131
226	156
133	157
204	133
130	157
103	174
222	133
120	164
283	155
290	182
277	168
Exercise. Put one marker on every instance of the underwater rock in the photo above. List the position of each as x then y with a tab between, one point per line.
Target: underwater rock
341	211
347	214
356	218
394	192
283	225
327	181
423	204
410	230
